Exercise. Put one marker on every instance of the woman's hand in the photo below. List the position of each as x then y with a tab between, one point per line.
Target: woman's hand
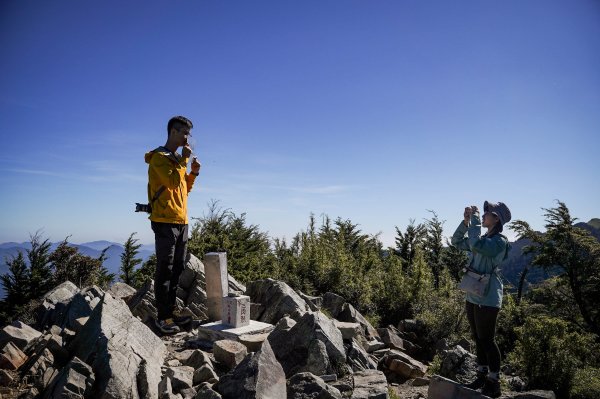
467	215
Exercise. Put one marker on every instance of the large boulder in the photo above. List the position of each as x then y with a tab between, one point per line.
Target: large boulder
351	315
125	355
458	364
358	358
55	303
309	386
19	333
277	300
258	376
333	303
404	365
313	344
11	357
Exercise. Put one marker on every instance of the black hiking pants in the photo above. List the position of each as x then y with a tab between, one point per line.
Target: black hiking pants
171	248
482	320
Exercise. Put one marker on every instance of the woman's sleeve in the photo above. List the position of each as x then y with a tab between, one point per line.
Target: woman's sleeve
459	239
484	246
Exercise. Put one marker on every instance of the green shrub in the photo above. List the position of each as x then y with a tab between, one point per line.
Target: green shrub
549	354
586	384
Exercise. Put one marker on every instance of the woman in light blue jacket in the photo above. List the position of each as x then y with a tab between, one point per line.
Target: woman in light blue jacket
487	252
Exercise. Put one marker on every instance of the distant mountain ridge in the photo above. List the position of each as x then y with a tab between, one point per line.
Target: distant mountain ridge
92	249
516	262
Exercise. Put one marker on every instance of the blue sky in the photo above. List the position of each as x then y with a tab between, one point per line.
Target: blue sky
374	111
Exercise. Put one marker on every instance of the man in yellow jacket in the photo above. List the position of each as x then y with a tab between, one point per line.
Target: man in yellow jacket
168	187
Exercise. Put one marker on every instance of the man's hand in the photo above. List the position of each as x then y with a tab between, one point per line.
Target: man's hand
196	166
475	209
186	151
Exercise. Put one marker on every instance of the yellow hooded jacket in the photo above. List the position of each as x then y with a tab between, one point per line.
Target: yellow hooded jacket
168	169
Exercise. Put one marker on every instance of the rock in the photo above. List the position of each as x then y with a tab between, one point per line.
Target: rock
125	355
420	382
164	387
205	373
258	376
314	302
142	303
358	358
42	370
410	326
188	393
31	393
294	346
75	381
5	378
531	395
229	353
458	365
374	345
333	303
277	298
173	363
197	359
11	357
79	323
516	383
370	384
207	393
391	339
120	290
348	330
465	344
404	365
443	388
62	293
309	386
181	377
253	342
19	333
349	314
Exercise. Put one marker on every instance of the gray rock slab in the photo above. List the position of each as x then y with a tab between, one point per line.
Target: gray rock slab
181	377
278	300
314	302
358	358
309	386
216	331
142	304
126	354
370	384
443	388
19	333
259	376
348	330
120	290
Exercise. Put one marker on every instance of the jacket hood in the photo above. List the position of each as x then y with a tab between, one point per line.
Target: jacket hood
148	156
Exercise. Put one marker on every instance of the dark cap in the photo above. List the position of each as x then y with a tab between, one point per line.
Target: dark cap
499	209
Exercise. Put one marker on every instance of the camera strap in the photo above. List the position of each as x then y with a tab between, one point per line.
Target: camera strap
157	194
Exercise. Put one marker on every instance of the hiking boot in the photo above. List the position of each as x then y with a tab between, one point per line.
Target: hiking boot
167	326
180	319
491	388
479	381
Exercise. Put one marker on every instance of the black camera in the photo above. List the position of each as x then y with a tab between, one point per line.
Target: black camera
143	208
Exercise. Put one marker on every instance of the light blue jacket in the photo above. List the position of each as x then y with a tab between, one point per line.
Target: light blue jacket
486	253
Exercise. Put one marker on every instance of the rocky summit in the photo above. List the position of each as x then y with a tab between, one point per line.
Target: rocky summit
91	343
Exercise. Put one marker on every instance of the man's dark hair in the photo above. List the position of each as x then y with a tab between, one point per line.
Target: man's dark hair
177	121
